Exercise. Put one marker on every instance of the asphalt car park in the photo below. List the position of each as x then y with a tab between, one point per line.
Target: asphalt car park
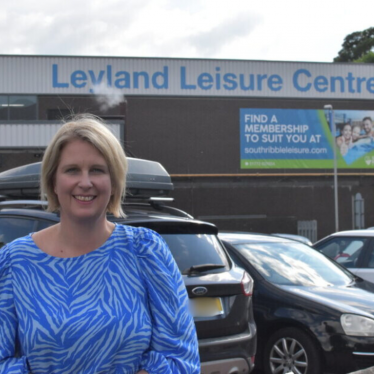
312	315
220	292
353	249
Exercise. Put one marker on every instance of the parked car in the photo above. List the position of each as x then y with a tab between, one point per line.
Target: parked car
353	249
312	315
220	292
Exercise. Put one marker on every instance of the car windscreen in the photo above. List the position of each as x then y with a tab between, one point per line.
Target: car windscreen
194	250
293	264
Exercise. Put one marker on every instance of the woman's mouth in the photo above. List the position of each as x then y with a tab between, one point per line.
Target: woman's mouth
84	198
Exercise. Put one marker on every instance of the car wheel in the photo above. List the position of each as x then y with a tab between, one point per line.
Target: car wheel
290	350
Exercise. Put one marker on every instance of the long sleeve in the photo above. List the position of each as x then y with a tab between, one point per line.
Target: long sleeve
174	347
9	363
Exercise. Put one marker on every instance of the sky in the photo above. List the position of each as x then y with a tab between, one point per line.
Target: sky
273	30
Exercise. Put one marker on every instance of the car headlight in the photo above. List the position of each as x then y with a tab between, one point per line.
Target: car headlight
355	325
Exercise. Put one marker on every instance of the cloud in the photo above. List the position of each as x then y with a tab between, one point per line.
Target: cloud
213	41
241	29
166	28
77	27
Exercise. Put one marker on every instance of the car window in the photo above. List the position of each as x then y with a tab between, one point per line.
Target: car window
370	263
196	249
293	264
13	228
44	224
343	250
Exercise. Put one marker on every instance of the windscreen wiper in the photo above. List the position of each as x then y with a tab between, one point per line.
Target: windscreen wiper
196	269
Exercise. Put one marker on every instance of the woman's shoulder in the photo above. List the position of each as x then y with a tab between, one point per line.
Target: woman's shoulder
18	243
144	240
152	252
136	233
4	257
10	250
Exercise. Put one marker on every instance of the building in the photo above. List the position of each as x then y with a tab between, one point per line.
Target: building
249	144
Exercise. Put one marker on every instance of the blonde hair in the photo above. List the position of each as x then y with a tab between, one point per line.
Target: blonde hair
91	129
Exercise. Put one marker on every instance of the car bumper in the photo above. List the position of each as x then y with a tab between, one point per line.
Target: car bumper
229	354
350	353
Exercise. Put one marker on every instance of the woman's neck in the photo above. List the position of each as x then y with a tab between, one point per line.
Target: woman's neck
78	238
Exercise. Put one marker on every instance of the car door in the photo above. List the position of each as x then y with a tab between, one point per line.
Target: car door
366	271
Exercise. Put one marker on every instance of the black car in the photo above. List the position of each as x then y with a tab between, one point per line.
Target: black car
313	315
219	291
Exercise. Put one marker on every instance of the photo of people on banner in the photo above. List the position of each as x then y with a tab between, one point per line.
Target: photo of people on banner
355	138
305	139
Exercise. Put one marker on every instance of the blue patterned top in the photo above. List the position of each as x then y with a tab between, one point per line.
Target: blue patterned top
118	309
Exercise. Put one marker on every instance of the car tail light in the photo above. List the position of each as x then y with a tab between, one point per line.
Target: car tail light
247	284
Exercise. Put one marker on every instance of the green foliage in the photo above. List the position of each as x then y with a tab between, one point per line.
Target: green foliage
368	58
357	46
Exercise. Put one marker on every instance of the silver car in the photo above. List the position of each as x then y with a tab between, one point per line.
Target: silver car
353	249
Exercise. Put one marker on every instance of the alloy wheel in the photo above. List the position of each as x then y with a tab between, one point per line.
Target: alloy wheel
288	355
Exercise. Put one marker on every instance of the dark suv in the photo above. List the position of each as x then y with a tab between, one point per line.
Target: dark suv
219	291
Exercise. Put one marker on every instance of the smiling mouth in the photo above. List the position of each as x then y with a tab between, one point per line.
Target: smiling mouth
84	198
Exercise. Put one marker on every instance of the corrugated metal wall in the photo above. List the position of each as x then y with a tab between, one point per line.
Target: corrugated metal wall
35	135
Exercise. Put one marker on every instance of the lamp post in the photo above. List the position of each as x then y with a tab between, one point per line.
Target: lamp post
333	130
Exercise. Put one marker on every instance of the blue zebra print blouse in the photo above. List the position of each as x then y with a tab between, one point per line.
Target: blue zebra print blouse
118	309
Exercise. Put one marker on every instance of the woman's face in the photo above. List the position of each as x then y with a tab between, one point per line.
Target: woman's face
82	182
356	132
347	132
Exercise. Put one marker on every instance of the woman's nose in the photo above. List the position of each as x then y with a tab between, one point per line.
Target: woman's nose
85	180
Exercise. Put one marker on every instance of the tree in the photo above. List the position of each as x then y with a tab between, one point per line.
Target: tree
357	47
368	58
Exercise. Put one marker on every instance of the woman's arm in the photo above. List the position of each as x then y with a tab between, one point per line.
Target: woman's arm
174	346
9	363
344	149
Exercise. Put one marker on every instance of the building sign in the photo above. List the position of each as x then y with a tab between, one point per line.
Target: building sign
184	77
304	139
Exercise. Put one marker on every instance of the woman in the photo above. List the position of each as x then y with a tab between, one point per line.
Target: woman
87	295
344	141
356	133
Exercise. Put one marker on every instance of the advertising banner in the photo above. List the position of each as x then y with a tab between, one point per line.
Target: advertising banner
304	139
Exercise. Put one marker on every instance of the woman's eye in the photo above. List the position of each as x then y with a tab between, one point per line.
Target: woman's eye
98	170
71	170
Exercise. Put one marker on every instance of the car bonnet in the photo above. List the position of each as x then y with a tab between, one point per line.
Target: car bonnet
346	299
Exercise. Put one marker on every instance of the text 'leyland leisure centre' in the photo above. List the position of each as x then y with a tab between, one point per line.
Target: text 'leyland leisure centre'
302	80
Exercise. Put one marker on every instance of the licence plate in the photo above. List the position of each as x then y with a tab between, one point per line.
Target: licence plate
206	306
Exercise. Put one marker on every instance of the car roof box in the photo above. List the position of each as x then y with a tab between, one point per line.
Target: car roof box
144	178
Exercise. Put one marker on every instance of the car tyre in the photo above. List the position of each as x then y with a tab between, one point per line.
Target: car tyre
291	350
